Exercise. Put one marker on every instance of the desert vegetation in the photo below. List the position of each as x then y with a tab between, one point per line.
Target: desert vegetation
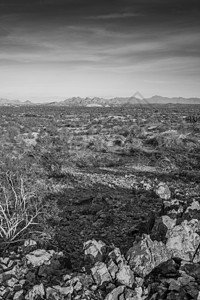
47	152
73	174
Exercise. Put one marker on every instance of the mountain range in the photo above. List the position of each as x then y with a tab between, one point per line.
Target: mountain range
102	102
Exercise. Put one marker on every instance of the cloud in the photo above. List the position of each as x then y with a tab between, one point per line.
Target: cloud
122	15
127	39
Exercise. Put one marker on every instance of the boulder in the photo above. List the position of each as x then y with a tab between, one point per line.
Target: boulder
100	273
37	292
94	251
119	269
40	257
145	255
183	240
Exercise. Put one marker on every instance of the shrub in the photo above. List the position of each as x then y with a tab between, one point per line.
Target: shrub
18	209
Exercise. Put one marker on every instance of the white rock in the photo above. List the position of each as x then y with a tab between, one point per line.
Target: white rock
119	269
145	255
29	243
53	294
115	294
64	290
198	297
12	281
169	222
112	268
183	240
18	295
125	276
100	273
94	249
67	277
36	291
4	260
40	257
193	206
163	191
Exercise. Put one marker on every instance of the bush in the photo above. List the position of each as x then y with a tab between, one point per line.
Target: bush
18	209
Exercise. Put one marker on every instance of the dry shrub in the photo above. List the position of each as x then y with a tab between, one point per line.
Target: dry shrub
18	209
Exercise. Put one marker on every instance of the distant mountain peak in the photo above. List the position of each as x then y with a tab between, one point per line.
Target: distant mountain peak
136	98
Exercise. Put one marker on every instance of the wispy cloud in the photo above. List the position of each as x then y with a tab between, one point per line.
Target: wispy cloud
131	40
121	15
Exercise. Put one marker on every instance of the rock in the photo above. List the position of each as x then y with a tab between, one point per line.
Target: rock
192	269
198	297
174	285
30	276
112	268
185	278
94	251
40	257
162	291
11	282
119	269
19	295
167	269
159	231
4	260
192	289
100	273
109	287
52	294
86	280
36	292
125	276
192	211
30	243
116	294
67	277
193	206
64	290
183	240
77	285
47	270
5	294
145	255
173	296
163	191
136	294
173	208
168	222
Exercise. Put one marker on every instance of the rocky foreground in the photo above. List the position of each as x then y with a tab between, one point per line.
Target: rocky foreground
163	264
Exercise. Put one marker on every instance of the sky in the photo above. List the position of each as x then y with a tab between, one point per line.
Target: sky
56	49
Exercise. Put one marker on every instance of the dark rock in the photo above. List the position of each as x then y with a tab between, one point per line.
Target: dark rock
162	291
192	269
173	209
31	277
168	269
173	296
159	231
192	211
192	289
